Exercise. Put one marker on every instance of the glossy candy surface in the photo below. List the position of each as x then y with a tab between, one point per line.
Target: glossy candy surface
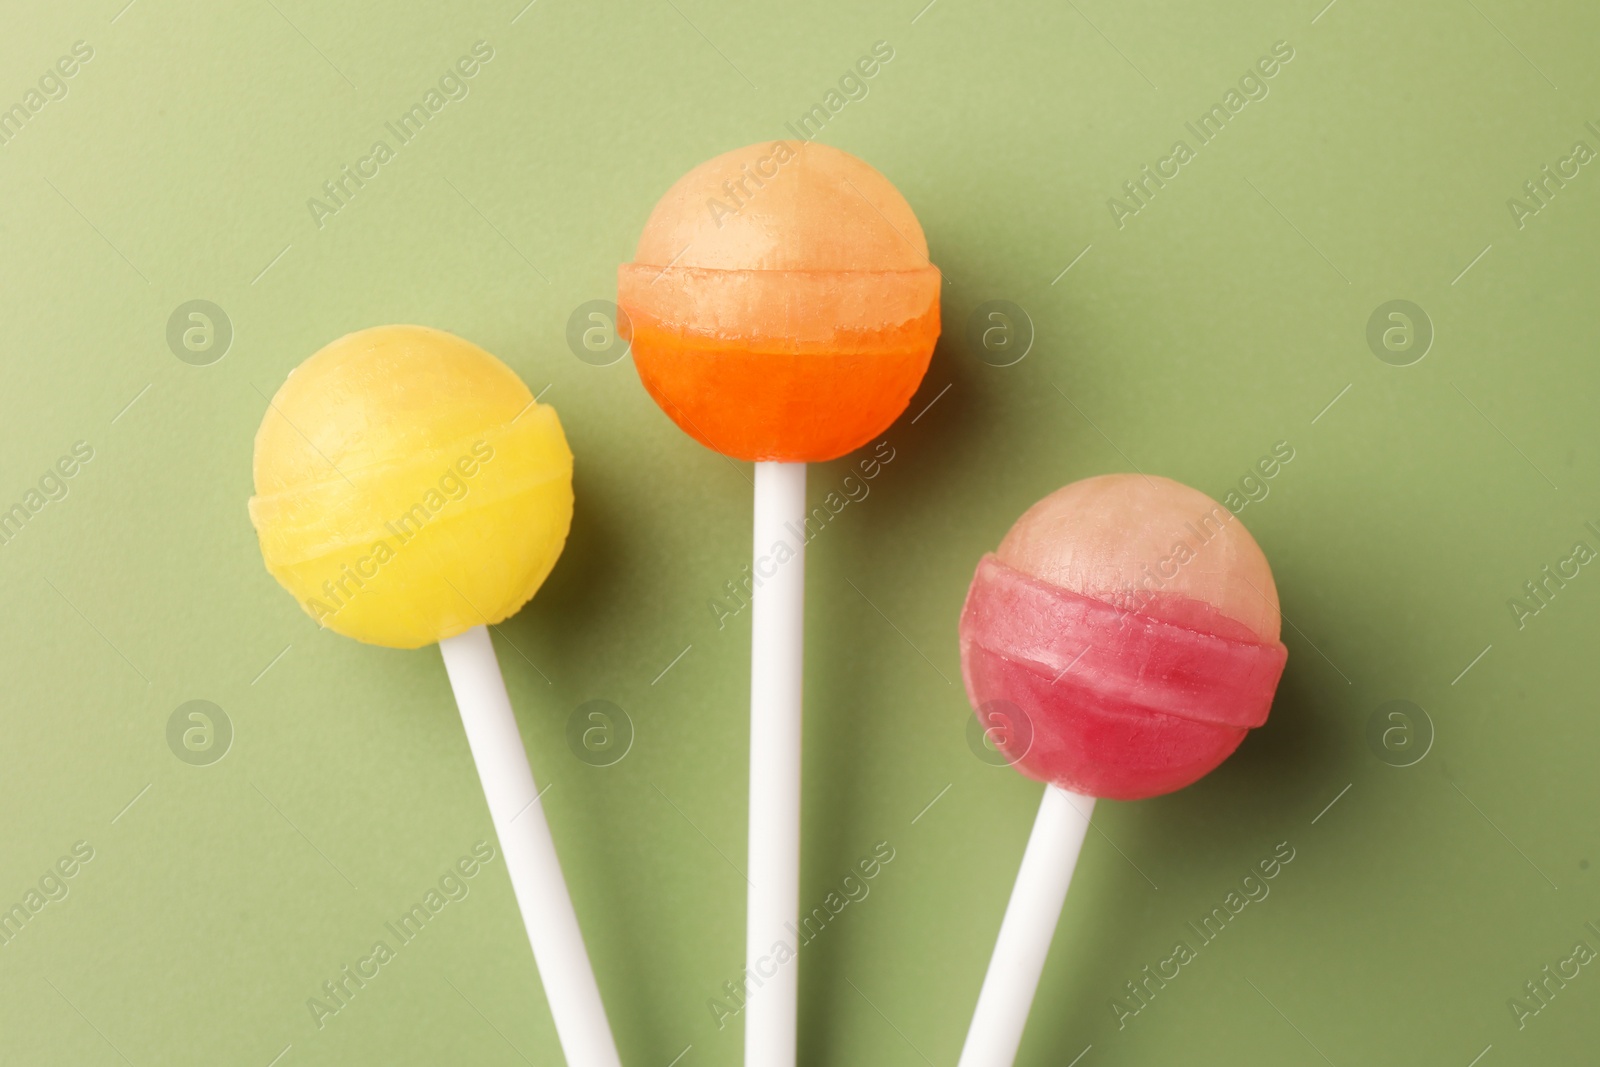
781	305
1123	639
408	487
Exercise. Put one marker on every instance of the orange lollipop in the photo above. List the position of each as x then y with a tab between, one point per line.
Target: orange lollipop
781	305
781	309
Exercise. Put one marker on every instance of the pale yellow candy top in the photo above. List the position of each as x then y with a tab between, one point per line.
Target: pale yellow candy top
408	487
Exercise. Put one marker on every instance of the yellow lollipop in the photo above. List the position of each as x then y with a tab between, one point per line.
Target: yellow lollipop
408	487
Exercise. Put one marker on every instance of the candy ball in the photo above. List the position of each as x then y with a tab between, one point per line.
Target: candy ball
781	305
1123	639
409	487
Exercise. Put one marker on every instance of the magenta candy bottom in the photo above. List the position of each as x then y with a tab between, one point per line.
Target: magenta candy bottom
1104	700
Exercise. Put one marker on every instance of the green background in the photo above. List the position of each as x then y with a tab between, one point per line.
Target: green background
1223	318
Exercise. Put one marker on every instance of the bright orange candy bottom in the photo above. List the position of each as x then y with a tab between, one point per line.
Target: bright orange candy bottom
791	366
762	406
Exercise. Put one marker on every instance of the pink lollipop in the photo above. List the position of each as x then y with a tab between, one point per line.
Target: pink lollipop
1120	644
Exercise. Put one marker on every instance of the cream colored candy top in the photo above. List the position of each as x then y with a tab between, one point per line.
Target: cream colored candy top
1140	542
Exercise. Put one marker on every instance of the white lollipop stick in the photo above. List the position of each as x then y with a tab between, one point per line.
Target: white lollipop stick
776	647
1027	929
530	853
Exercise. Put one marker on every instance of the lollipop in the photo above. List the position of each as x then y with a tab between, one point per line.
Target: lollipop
410	490
1120	644
781	309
